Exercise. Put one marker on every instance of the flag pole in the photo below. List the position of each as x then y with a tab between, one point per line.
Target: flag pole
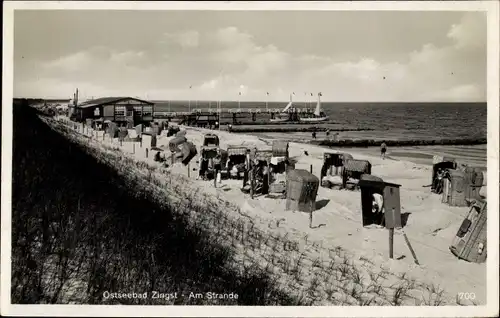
267	100
239	101
189	103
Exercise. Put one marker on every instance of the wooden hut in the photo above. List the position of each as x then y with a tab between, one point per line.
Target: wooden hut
389	214
454	189
470	242
301	190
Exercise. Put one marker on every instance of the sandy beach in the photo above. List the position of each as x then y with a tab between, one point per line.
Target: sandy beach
430	227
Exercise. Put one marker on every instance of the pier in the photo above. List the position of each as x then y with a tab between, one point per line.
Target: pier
201	117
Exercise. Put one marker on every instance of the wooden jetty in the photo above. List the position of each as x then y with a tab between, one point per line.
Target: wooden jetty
203	117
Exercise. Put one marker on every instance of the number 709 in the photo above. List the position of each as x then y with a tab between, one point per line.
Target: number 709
468	296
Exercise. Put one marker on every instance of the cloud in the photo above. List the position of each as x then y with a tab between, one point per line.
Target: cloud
70	63
470	32
220	62
186	39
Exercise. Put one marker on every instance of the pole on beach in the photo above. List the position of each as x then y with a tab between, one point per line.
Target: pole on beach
267	101
133	147
219	113
251	183
189	171
311	168
391	243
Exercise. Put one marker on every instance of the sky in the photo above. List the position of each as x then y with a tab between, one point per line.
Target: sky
355	56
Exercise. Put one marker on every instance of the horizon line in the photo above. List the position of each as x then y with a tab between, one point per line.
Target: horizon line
263	101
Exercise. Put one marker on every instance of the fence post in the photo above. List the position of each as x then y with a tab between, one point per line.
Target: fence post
189	171
311	168
121	142
147	152
251	183
391	243
133	148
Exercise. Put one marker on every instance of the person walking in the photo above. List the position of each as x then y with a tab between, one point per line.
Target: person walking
383	149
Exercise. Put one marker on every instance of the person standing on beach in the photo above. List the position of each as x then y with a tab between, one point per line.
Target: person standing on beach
314	135
383	149
217	168
248	164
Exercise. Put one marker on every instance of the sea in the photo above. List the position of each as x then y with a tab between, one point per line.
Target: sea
382	121
389	120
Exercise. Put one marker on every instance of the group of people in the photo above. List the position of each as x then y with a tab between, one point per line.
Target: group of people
327	133
216	164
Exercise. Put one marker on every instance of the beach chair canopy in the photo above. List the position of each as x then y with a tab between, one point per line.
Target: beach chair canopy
442	162
301	190
209	152
210	139
335	159
264	155
181	133
188	150
174	144
236	151
438	159
280	148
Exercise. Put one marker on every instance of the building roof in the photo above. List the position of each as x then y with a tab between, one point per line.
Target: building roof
108	100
